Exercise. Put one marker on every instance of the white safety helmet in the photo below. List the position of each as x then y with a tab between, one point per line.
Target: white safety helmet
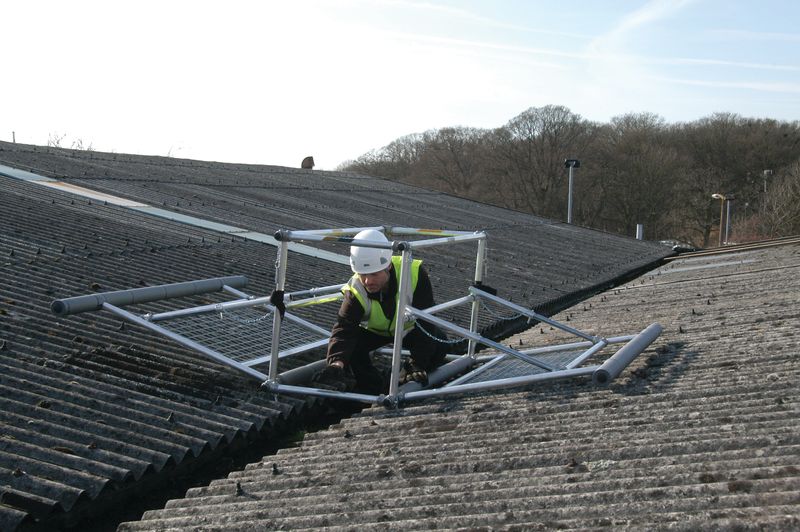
370	260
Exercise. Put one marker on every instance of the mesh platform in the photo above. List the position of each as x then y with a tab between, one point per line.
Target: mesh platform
242	335
509	366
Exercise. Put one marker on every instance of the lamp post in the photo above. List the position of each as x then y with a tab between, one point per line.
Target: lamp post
728	199
571	164
721	198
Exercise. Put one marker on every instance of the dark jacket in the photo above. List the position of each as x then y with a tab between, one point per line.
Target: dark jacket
345	331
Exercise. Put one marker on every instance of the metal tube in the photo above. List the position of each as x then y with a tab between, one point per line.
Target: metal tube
335	237
497	384
587	354
213	307
315	291
569	197
289	352
390	350
403	297
316	300
425	232
449	304
727	220
419	244
329	394
480	266
612	367
75	305
534	315
475	336
302	374
302	234
575	345
477	371
235	292
280	283
191	344
560	347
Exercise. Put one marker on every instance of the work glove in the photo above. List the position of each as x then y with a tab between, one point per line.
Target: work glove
409	372
276	298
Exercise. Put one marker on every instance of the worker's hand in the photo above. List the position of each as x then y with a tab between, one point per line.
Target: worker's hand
337	364
276	298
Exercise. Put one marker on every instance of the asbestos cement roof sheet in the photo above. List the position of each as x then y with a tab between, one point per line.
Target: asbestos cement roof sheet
95	412
700	432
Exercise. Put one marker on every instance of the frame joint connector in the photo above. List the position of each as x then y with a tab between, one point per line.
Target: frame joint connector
270	385
391	402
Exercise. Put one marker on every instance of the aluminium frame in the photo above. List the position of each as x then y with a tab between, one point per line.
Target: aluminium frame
451	376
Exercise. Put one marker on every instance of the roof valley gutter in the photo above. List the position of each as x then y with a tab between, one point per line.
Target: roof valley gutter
168	215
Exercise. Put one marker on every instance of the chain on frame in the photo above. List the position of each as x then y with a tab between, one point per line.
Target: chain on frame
440	340
226	314
496	315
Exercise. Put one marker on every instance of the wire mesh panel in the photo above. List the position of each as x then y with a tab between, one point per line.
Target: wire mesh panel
509	366
243	334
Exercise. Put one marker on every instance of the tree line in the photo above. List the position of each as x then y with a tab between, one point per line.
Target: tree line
635	169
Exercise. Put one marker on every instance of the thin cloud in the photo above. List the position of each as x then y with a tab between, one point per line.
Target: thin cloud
645	15
432	39
742	35
791	88
718	62
473	17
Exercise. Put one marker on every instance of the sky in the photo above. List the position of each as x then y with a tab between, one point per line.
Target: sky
271	82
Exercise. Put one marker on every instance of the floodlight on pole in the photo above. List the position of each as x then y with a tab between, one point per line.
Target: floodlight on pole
721	198
571	164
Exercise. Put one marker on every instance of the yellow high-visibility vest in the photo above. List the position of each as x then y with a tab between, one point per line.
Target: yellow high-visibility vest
374	319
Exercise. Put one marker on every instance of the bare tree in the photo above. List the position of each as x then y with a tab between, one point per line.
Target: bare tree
452	160
55	140
638	170
780	211
635	169
530	151
728	156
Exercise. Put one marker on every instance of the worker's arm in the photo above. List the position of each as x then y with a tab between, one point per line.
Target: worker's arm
423	295
344	333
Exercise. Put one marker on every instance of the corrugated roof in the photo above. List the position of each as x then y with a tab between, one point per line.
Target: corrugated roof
700	432
93	409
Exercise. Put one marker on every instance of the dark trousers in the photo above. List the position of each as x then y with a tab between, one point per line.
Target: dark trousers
426	353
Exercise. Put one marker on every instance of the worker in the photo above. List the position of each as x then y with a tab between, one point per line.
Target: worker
366	319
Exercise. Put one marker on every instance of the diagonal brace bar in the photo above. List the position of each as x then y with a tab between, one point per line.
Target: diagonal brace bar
426	316
534	315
